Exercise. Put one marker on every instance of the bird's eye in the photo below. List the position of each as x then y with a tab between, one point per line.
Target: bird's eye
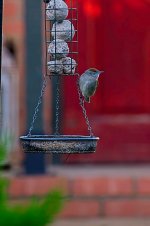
93	69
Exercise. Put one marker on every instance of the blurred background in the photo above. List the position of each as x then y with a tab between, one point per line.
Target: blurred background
114	36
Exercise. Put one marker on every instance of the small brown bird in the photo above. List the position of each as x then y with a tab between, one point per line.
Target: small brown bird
88	82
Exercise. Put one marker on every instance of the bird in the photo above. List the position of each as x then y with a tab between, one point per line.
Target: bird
88	82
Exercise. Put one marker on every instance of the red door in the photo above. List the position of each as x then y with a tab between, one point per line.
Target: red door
114	36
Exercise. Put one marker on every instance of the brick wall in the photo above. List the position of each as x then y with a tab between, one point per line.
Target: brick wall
13	30
109	196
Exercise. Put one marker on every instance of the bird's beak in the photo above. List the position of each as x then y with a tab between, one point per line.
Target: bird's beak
101	72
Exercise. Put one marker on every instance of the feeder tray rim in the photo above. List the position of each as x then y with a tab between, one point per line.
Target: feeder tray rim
59	138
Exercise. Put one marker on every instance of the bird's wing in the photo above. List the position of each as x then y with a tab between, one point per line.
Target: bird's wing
91	87
87	85
81	79
82	82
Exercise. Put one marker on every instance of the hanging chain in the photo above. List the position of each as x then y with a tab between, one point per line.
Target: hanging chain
37	106
84	110
57	106
81	101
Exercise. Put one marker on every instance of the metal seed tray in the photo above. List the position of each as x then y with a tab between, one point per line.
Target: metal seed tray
59	143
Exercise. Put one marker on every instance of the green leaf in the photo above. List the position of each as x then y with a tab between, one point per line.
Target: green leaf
38	212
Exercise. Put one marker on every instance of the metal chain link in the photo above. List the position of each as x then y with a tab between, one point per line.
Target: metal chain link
37	106
57	106
81	101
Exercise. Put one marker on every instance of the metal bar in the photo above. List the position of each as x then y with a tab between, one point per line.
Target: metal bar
71	34
33	61
57	31
33	58
65	52
64	75
46	58
61	8
67	41
74	19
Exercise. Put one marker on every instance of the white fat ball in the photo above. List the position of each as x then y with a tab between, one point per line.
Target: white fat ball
57	10
64	30
55	66
69	65
58	49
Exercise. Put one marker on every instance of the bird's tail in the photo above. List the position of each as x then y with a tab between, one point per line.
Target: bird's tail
87	99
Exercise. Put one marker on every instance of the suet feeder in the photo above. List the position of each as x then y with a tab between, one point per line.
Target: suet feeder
61	61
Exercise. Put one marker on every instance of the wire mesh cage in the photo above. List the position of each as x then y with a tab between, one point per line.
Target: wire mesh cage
61	37
61	59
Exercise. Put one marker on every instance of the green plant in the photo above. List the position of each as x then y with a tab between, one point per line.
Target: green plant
36	213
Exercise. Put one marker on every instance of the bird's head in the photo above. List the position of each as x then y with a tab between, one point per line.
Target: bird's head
94	72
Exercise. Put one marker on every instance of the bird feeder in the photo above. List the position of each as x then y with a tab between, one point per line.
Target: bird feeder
61	61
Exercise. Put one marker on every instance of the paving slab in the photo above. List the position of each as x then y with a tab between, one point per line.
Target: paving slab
103	222
74	171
